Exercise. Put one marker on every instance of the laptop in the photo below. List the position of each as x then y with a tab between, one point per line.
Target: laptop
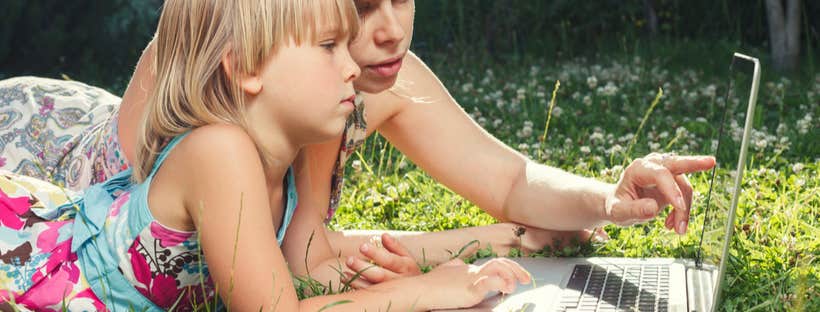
646	284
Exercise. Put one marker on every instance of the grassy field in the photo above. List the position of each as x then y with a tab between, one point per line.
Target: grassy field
603	117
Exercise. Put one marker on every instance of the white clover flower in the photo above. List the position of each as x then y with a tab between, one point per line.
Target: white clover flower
526	132
482	121
467	87
800	182
356	165
804	124
596	137
592	82
528	123
617	148
681	132
585	149
499	103
609	90
556	111
587	100
797	167
781	129
663	135
654	146
523	147
761	144
568	141
710	91
701	119
497	123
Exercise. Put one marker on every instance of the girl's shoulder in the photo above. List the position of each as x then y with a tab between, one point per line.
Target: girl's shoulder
216	151
218	143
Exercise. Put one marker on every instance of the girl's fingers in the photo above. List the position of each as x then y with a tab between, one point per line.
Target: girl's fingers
358	282
488	283
507	269
389	260
394	246
371	272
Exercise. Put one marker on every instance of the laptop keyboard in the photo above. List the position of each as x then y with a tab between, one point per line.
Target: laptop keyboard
617	288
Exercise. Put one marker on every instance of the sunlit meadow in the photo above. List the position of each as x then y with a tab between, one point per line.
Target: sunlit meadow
595	130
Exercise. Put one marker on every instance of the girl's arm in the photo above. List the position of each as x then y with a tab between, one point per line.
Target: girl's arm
238	238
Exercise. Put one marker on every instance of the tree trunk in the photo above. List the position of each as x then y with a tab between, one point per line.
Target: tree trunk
651	17
784	33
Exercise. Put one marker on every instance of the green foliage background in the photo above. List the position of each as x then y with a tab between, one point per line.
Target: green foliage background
98	42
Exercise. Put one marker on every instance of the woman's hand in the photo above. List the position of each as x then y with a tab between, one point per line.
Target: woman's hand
460	285
652	182
391	262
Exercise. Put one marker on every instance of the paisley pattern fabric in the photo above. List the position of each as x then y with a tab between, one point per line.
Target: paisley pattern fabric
59	131
355	133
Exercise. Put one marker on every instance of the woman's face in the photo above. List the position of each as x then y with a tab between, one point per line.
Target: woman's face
386	32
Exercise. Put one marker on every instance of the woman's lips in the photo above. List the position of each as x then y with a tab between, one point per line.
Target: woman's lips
387	69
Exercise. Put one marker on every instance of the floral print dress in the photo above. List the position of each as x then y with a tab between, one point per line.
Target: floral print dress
99	250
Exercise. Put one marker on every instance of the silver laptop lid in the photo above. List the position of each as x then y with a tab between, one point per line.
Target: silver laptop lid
724	190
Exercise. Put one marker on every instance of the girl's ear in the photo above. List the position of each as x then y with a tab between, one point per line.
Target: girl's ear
250	83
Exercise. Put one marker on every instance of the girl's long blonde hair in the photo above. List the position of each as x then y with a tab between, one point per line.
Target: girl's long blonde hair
191	87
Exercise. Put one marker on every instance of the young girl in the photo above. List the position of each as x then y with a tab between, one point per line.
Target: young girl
241	86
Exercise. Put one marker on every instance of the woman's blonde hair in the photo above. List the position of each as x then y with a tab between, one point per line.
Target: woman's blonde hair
191	87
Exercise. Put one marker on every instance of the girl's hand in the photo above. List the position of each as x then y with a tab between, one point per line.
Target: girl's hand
460	285
391	262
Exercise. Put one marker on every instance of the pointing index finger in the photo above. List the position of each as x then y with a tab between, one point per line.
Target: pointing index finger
688	164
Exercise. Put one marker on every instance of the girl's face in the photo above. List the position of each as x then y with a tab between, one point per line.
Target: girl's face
384	38
310	87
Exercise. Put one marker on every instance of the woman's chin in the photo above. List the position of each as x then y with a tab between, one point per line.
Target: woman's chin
373	84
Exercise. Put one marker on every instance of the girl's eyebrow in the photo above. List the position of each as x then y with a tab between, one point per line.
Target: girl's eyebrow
329	32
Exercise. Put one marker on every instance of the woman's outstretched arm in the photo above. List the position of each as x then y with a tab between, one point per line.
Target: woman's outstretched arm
423	121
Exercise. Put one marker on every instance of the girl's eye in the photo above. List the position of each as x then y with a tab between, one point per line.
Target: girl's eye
364	8
328	45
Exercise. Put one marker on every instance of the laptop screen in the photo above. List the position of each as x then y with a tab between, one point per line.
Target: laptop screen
728	120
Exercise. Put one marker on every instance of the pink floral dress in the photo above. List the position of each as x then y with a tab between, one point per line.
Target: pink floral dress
100	250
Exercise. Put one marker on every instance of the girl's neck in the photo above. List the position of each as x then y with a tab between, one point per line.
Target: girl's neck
279	148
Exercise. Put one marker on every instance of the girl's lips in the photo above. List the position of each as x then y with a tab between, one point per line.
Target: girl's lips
387	69
350	101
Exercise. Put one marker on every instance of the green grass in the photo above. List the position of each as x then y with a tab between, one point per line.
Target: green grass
773	265
594	130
